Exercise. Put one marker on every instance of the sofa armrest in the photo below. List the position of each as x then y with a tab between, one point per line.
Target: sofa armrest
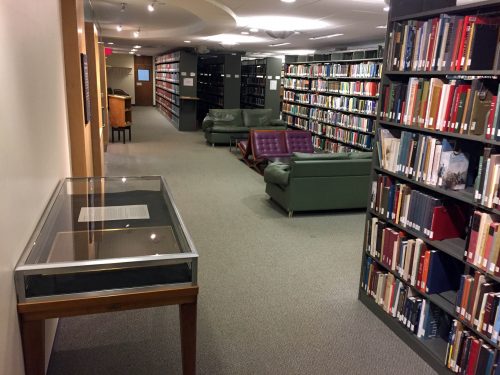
277	173
277	122
207	123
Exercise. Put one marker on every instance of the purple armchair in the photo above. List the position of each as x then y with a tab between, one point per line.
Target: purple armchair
299	141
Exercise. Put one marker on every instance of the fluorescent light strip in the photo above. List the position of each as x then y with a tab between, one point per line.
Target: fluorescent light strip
279	44
325	36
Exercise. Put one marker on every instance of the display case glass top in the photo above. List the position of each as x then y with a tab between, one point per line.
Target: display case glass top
107	233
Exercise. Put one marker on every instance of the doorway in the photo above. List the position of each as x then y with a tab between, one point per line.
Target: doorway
143	68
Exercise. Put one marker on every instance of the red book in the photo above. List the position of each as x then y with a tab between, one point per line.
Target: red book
456	45
461	56
456	103
488	310
432	39
420	270
474	236
425	271
449	104
447	222
403	110
491	117
473	356
386	245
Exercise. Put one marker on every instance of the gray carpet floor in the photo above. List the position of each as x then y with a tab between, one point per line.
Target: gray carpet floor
277	295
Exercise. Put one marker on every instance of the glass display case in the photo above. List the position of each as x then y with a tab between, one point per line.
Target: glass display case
100	235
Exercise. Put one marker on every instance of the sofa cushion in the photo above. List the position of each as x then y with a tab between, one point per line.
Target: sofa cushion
229	129
277	173
325	156
360	155
226	117
253	118
299	141
268	143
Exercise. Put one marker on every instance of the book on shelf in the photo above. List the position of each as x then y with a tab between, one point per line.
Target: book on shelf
484	242
445	43
468	354
428	270
431	217
428	159
415	313
335	70
487	186
456	106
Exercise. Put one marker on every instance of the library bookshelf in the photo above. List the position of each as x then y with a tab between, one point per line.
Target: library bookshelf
430	268
260	83
334	96
219	82
175	88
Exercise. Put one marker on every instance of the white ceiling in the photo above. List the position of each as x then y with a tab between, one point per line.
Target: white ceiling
175	21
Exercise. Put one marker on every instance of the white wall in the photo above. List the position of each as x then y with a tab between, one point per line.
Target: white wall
121	78
34	151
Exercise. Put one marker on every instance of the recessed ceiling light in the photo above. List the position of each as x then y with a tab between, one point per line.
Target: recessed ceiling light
231	39
187	41
136	34
296	32
297	52
100	42
382	27
110	43
123	7
281	23
245	32
386	9
119	28
288	1
279	44
131	53
138	55
137	46
151	7
254	30
325	36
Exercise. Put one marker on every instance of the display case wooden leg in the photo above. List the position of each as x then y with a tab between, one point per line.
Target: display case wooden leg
187	313
33	339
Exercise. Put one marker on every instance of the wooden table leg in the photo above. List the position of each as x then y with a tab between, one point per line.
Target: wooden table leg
187	314
33	339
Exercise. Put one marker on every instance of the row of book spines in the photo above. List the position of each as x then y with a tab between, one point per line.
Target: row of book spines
468	354
417	211
487	187
477	304
484	243
336	147
168	56
320	142
454	43
398	300
323	123
425	159
333	69
169	96
435	105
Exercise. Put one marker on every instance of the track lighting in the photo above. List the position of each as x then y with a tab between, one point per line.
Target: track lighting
119	28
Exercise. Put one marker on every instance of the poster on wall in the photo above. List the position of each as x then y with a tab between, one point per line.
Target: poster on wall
85	86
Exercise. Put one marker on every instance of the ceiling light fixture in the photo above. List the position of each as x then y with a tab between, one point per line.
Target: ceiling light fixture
297	52
245	33
386	9
288	1
137	46
279	44
382	27
137	33
280	23
111	43
254	30
187	41
123	7
131	53
151	7
119	28
325	36
232	39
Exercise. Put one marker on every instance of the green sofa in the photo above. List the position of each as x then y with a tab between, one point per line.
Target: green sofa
314	182
221	124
